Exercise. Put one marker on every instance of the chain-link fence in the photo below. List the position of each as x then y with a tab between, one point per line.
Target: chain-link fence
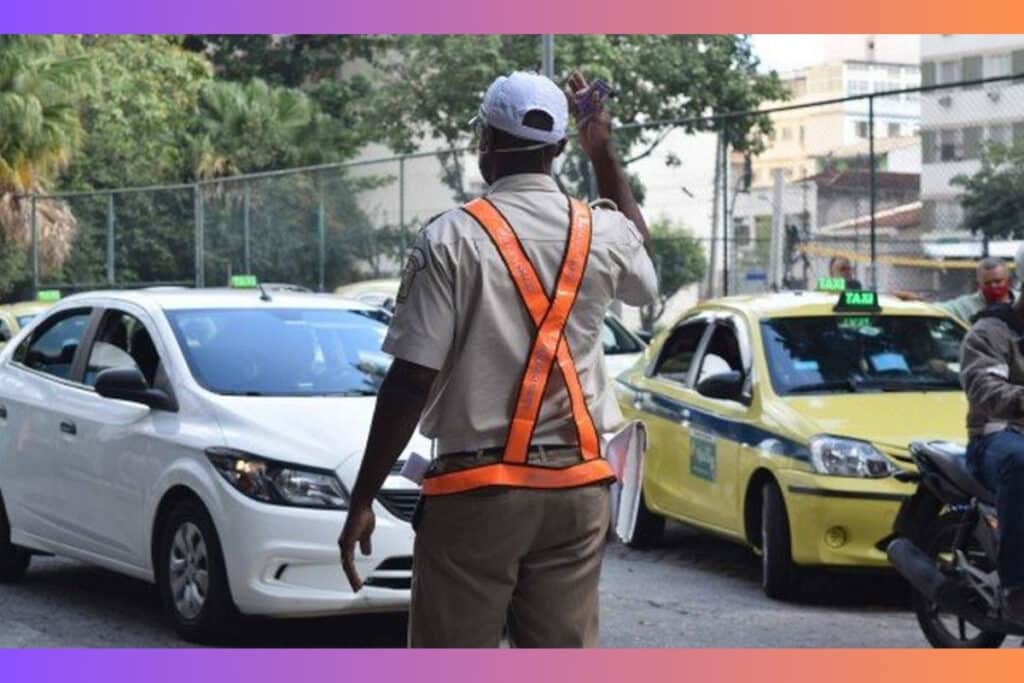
868	175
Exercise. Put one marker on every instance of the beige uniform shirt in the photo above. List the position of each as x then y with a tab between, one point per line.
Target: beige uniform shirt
459	312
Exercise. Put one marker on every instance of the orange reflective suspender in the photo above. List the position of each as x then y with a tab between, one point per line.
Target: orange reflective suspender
549	347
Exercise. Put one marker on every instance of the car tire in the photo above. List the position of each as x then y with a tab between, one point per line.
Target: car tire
191	576
779	575
14	560
650	527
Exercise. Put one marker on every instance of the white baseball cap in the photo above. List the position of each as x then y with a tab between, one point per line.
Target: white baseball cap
510	98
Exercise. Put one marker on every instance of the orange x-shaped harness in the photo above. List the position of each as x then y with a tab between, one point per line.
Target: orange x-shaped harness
549	346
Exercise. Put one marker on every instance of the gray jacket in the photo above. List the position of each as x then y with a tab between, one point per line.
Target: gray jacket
992	371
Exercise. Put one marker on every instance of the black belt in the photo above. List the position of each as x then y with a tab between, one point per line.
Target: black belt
500	450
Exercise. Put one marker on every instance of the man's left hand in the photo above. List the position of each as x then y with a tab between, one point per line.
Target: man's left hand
358	529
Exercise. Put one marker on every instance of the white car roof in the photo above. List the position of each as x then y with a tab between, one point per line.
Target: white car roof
170	298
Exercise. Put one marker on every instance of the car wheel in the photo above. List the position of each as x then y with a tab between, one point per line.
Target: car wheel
650	527
14	560
191	576
778	572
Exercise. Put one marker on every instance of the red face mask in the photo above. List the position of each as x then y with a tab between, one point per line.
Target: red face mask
996	292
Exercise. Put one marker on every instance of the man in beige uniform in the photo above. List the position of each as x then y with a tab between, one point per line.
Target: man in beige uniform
461	337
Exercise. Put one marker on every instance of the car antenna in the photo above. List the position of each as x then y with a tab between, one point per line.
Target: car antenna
263	293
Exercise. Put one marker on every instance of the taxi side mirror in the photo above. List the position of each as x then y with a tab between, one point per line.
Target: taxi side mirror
128	384
726	386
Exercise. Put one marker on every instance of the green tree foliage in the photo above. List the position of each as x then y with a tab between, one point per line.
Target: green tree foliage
993	198
679	260
41	78
435	87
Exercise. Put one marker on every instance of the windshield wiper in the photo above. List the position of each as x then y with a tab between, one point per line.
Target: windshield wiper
911	384
847	385
241	393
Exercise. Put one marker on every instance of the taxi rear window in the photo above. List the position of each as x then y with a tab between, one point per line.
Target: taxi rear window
845	354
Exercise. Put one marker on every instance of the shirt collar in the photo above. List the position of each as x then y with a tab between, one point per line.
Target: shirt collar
524	182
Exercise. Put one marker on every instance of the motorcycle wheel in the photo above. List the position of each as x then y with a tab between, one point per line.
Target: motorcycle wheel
944	629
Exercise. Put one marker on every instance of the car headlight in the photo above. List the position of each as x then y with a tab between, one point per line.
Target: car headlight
848	458
279	483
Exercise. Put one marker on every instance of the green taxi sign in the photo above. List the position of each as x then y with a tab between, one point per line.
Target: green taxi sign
856	300
831	284
244	282
48	295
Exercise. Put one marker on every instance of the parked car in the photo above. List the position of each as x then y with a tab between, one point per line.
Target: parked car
204	440
779	421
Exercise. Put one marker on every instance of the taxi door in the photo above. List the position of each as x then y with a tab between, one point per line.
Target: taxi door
659	401
714	436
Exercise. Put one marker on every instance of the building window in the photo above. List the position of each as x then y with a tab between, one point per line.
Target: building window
859	87
787	134
740	232
801	135
894	130
1001	133
949	72
997	65
862	129
950	143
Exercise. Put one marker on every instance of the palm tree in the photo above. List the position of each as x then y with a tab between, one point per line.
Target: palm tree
41	78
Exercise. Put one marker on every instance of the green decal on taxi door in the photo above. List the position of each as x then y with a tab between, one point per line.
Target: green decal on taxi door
702	456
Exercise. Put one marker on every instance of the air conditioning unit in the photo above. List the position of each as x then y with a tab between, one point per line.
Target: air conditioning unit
994	94
946	101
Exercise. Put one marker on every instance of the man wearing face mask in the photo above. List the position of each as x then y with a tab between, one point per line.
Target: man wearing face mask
498	356
993	288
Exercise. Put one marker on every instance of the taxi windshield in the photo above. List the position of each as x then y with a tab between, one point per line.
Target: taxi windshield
839	354
283	352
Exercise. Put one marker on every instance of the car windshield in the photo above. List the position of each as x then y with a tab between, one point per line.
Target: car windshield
283	352
840	354
616	339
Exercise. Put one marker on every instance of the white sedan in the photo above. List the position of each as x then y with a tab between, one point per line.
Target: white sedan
205	441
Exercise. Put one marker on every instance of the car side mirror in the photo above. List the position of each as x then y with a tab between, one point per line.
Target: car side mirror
128	384
726	386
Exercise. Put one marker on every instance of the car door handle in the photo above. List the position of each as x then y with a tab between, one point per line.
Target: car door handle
68	427
3	412
685	418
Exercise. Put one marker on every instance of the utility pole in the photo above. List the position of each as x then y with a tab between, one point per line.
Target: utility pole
547	55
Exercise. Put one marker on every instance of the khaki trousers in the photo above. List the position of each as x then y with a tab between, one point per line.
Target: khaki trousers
526	558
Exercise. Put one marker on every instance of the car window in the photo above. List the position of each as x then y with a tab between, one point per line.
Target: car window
617	340
679	350
24	320
283	351
122	342
52	347
722	353
5	331
826	354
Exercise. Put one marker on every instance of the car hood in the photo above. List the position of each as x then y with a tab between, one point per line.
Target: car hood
319	431
888	420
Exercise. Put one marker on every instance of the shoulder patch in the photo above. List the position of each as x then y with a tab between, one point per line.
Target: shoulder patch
417	261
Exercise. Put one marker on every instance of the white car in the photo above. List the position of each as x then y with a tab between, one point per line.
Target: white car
205	441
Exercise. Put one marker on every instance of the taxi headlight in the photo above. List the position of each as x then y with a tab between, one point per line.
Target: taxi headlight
848	458
278	483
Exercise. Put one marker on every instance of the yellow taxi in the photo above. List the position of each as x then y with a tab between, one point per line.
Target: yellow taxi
15	316
780	420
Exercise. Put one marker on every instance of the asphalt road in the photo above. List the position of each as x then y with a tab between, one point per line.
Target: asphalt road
696	591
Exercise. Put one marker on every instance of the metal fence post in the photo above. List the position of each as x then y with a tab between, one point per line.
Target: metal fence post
110	239
321	226
35	247
401	207
725	214
200	276
874	187
246	230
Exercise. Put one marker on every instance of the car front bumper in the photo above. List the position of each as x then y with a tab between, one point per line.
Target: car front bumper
285	561
841	521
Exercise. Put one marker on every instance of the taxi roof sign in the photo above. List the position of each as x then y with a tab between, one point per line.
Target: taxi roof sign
831	284
857	301
244	282
48	295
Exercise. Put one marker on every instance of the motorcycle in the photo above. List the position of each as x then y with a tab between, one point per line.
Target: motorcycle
946	545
